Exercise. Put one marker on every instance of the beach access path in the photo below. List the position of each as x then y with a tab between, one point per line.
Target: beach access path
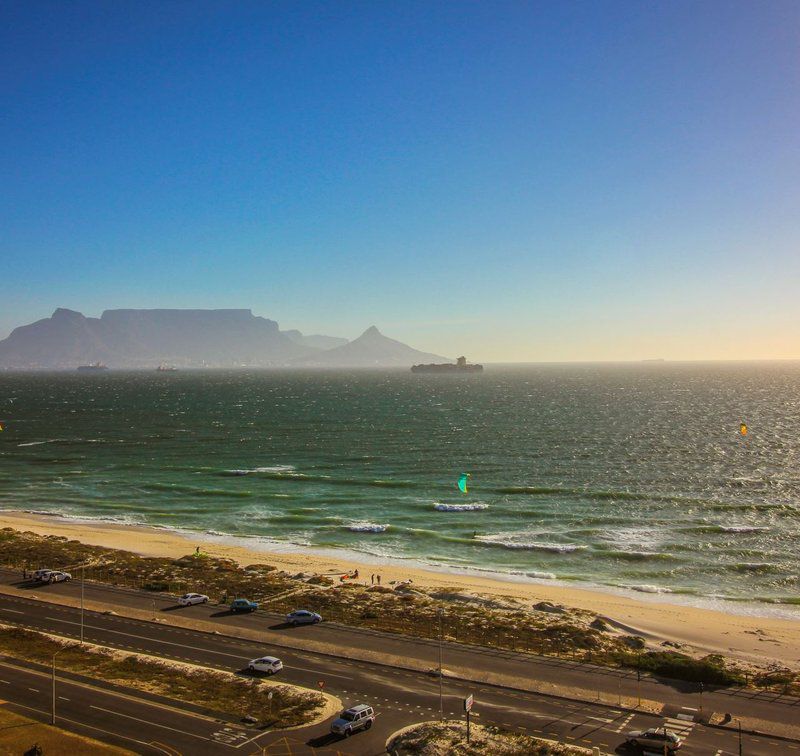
391	672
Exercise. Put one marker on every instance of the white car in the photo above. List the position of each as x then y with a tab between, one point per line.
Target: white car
41	575
303	617
192	598
267	664
56	576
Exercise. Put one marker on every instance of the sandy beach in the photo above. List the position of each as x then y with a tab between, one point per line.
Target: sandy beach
749	638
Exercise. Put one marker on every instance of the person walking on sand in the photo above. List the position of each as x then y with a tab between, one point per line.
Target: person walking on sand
379	579
372	579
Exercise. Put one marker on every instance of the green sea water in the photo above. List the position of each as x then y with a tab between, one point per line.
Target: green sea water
632	476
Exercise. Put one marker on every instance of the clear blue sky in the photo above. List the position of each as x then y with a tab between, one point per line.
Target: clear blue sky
520	181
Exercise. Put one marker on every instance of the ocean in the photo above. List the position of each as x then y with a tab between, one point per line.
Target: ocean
629	476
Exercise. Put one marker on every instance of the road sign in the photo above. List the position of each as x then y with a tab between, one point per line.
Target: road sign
468	703
321	684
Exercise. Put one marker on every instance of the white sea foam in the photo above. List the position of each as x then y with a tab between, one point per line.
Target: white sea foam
39	443
266	469
459	507
541	575
366	527
646	588
508	541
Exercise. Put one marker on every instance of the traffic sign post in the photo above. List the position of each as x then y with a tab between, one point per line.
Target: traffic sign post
468	701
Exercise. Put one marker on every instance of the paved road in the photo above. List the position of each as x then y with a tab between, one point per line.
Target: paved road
401	696
528	671
115	716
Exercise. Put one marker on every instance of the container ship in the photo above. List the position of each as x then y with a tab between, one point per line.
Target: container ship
460	366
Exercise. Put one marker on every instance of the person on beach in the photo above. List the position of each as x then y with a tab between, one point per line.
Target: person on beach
379	579
197	551
372	579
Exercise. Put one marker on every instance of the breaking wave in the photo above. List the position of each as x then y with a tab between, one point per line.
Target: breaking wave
367	527
439	507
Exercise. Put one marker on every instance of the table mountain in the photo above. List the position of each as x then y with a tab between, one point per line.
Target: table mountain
146	338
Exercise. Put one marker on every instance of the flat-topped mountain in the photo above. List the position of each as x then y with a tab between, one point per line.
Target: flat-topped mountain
146	338
190	339
370	349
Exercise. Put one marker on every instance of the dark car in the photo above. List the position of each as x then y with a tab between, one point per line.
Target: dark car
243	605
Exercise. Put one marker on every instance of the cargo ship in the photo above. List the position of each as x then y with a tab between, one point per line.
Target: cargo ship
92	367
460	366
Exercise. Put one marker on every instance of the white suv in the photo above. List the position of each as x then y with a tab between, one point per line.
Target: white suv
56	576
353	719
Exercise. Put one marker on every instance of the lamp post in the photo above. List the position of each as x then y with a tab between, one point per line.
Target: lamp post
82	577
53	717
739	723
440	612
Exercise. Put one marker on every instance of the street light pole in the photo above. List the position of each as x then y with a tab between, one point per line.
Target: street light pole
739	722
53	717
83	571
441	632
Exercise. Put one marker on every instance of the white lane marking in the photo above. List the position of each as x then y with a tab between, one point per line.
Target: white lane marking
624	723
145	721
63	698
321	672
35	690
13	611
191	648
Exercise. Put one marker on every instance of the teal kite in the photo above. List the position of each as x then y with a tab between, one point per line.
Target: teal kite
462	482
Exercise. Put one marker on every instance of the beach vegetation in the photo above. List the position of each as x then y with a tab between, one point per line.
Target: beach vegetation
449	738
213	690
541	628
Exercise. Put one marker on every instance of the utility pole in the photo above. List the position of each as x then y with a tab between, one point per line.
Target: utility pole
441	632
82	577
53	717
739	722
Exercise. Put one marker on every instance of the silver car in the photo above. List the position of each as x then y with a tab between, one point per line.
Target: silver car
193	598
656	738
353	719
303	617
56	576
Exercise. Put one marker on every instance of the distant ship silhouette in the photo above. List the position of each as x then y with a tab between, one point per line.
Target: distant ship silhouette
92	366
460	366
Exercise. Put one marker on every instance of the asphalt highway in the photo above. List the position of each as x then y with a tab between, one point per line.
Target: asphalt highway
480	664
118	717
400	696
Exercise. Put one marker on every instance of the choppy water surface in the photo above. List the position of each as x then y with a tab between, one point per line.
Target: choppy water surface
632	475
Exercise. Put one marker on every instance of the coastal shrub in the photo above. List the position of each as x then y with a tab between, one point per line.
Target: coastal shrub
710	669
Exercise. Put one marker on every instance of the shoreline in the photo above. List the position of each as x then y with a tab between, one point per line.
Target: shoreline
658	617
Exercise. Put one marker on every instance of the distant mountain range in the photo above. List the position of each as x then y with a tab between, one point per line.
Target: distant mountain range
191	339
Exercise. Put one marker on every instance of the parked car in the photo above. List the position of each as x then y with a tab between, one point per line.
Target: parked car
302	617
352	720
56	576
41	574
267	664
243	605
656	738
192	598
